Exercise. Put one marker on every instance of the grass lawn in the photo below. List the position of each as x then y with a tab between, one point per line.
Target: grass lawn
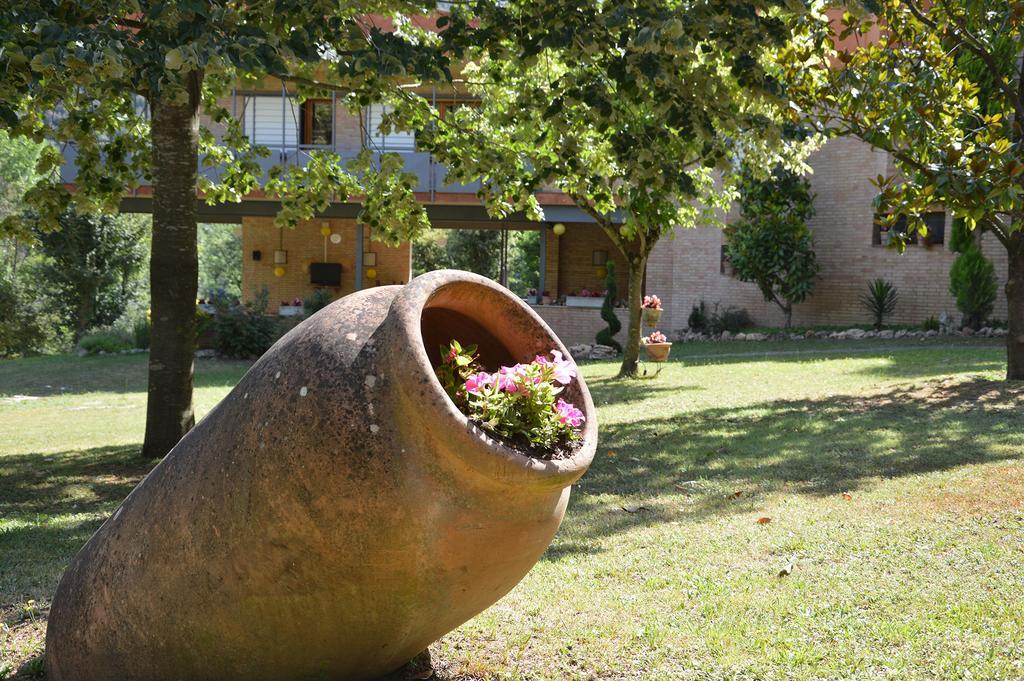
891	473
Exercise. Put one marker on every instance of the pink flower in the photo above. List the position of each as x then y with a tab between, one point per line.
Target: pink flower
565	370
651	302
505	379
477	381
568	414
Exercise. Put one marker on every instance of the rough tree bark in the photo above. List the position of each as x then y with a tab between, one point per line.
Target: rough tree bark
631	351
1015	308
174	269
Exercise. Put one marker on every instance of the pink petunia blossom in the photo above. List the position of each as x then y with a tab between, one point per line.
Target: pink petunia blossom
565	370
505	379
477	381
568	414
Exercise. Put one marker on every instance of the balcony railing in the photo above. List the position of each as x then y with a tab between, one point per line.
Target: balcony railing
430	174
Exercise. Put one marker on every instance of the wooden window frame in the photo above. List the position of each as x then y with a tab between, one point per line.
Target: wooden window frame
306	124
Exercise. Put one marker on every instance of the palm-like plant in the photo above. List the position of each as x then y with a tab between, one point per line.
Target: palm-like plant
880	300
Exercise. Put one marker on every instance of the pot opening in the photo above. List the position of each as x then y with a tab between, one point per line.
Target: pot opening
505	333
473	314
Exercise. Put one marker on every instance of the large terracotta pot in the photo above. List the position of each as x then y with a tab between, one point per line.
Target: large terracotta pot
333	515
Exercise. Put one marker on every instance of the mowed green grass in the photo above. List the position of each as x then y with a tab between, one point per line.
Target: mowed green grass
891	477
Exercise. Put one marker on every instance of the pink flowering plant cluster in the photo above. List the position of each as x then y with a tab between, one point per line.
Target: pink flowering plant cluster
519	402
651	302
655	337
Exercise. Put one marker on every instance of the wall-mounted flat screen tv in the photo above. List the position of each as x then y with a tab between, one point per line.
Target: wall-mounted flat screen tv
325	273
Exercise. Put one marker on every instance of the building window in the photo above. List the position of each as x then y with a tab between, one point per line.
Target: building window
936	224
317	122
935	221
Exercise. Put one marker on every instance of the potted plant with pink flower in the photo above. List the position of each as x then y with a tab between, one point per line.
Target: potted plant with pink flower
293	309
657	346
520	404
651	310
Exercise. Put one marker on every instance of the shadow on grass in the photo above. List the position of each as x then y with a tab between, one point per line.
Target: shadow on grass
51	504
73	375
605	391
815	447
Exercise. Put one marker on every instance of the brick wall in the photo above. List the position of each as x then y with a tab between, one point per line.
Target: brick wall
305	245
686	270
570	260
575	325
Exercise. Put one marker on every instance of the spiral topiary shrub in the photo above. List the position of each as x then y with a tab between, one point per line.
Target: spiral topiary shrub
605	336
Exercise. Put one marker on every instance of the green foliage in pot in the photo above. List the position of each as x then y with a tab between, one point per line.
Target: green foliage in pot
605	335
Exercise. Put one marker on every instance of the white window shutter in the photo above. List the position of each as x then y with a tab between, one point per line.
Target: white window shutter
393	141
272	121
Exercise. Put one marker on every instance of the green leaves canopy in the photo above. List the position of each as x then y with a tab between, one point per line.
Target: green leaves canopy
770	245
938	88
641	108
80	72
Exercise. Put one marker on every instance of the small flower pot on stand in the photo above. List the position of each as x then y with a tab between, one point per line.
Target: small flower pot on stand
658	352
651	316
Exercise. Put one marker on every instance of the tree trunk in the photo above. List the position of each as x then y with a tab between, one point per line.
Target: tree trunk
631	352
86	299
174	270
1015	308
788	311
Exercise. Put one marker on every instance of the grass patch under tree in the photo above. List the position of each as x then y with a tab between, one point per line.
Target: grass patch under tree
891	475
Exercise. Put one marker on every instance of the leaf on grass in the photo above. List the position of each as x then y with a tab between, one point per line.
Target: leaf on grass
611	454
737	494
763	520
847	496
631	508
786	571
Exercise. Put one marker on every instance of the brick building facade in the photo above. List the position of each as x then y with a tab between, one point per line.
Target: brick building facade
683	270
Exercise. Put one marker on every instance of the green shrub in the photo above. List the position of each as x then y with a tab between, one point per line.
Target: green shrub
605	335
731	319
141	333
317	300
244	331
880	300
20	330
972	281
698	319
108	340
931	324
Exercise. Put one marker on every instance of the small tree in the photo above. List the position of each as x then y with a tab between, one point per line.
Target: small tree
638	111
605	336
771	245
938	85
972	281
90	266
880	300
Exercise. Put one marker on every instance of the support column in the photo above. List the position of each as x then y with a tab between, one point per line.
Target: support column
360	246
542	279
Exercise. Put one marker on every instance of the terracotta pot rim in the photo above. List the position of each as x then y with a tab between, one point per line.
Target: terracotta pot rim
484	451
